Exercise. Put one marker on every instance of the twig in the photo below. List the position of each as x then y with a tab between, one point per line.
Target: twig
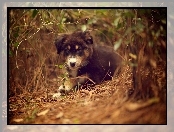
84	77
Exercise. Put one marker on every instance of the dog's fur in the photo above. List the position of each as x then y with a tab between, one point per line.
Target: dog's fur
83	60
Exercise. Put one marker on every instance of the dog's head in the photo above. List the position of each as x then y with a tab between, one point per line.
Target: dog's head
76	48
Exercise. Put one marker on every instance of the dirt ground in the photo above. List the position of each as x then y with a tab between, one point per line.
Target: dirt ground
108	103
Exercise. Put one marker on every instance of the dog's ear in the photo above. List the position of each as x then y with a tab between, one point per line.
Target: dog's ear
88	38
59	43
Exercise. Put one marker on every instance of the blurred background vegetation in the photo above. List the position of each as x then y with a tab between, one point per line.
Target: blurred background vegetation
138	35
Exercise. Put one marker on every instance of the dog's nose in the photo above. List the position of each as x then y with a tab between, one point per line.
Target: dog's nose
72	64
62	91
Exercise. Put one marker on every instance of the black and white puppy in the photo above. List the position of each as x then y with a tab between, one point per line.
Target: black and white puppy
85	61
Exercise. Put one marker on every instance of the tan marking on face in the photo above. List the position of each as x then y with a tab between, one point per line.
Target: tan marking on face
76	47
68	47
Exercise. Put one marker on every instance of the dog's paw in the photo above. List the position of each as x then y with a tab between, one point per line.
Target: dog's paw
56	95
64	88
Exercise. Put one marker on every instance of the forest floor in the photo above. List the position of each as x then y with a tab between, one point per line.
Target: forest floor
108	103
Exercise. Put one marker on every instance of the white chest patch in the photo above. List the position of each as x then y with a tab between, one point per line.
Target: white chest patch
73	73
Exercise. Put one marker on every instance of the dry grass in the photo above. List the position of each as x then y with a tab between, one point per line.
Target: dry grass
108	103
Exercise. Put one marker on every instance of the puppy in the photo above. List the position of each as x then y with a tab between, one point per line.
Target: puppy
84	61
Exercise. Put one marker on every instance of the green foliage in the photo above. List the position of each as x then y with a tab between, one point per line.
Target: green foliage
31	115
118	23
59	66
16	44
84	27
34	13
117	44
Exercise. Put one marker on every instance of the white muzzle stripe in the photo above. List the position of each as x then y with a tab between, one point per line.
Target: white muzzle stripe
72	60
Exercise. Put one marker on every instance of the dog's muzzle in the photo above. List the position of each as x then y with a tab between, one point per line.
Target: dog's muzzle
72	62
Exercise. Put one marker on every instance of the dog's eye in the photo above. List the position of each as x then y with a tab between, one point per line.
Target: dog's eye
79	49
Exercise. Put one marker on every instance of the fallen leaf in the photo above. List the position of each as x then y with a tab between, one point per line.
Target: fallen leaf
66	121
18	120
59	115
43	112
136	106
116	113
